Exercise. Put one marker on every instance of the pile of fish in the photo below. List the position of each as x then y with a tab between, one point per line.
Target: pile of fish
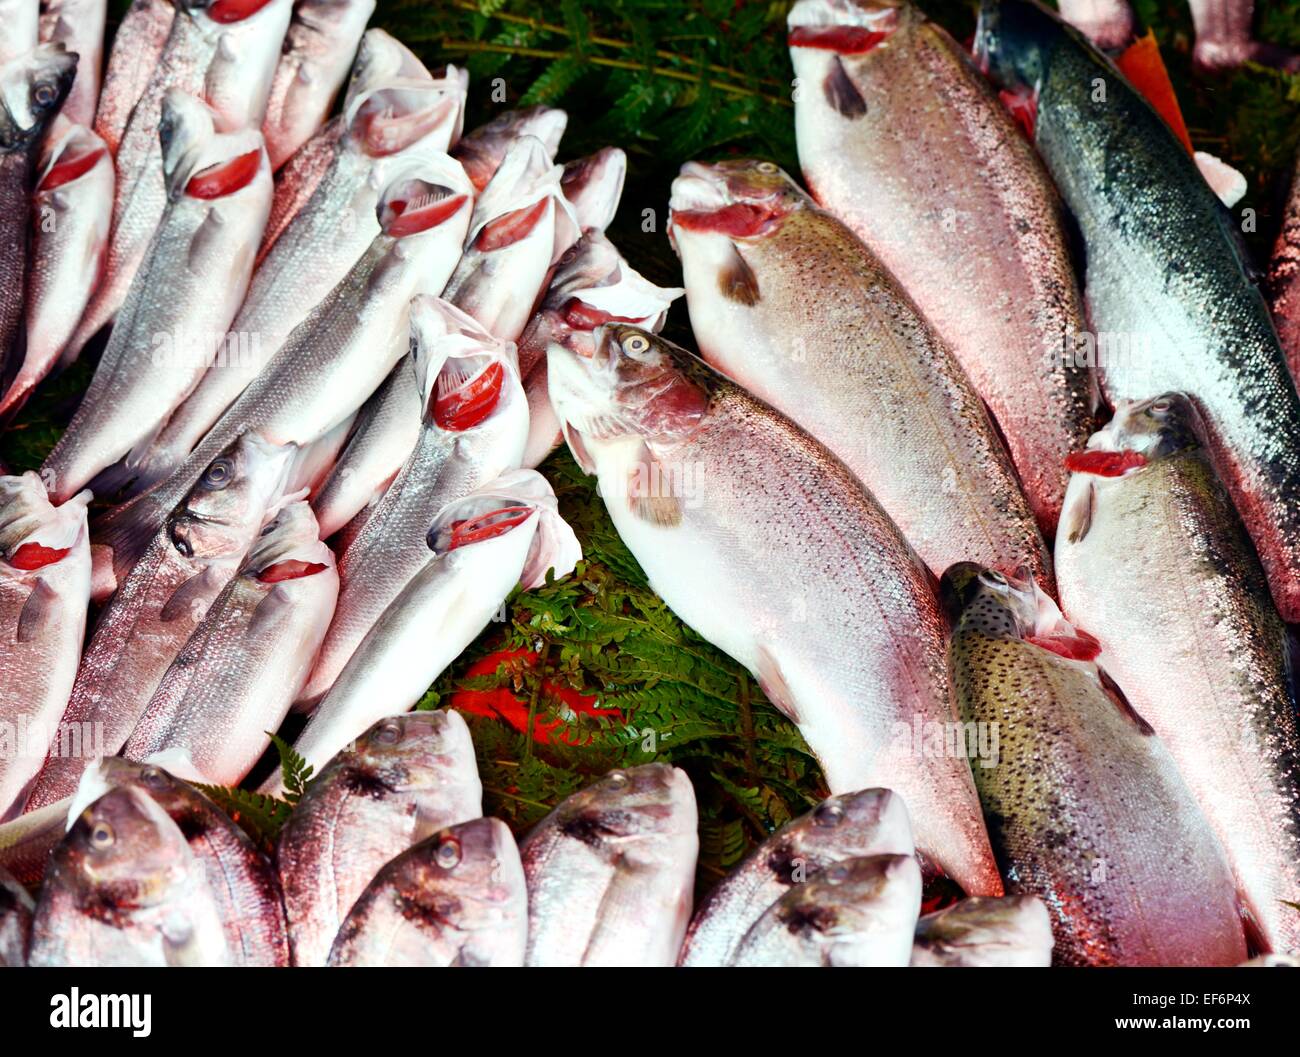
988	468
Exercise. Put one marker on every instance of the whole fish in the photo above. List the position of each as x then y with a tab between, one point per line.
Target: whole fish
1284	277
611	869
762	541
508	533
318	50
72	207
246	661
1156	562
593	186
21	21
455	899
1107	23
124	889
79	26
483	150
1166	283
199	547
189	287
137	47
1086	808
858	912
44	594
407	778
221	51
871	822
847	349
911	148
16	907
1012	932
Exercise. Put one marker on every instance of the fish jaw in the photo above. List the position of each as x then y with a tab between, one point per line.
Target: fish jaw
484	149
593	187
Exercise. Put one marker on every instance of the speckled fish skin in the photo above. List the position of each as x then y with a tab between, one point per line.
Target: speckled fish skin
188	289
455	899
726	504
804	316
484	149
611	871
1284	277
26	842
1086	807
910	147
978	933
1158	565
1164	268
855	913
318	49
16	907
243	666
158	605
42	621
137	46
407	778
79	26
849	826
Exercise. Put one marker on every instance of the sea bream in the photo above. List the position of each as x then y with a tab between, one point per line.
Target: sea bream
1012	932
1155	561
182	568
1166	283
483	149
137	46
903	139
1086	807
79	26
190	284
44	594
786	300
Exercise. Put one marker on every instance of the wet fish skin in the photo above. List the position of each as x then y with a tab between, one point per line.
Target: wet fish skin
483	150
610	871
457	898
1157	562
848	826
593	186
911	148
1284	277
407	778
1012	932
1102	828
79	26
22	27
26	842
1146	214
680	453
137	46
16	907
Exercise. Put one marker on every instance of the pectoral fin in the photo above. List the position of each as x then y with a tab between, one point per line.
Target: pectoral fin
39	612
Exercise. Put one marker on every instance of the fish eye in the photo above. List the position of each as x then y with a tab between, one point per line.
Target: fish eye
618	777
153	777
389	733
637	344
448	854
45	94
993	579
766	167
1161	406
102	835
218	475
183	547
829	814
836	872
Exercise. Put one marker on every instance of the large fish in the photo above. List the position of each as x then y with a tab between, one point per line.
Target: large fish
245	663
610	871
1086	807
911	148
124	889
26	842
1156	563
16	907
407	778
857	912
79	26
318	50
765	543
845	349
484	149
137	46
1012	932
173	323
44	593
184	566
871	822
455	899
508	533
1166	283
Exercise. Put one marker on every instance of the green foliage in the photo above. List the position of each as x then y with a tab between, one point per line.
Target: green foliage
261	817
295	771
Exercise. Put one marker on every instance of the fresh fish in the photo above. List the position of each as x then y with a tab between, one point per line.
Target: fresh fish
1284	277
79	26
1013	932
339	354
189	287
1107	23
199	547
1086	807
407	778
72	208
911	148
26	842
16	907
507	533
318	50
593	186
1224	39
44	593
484	149
1154	560
1146	215
847	349
137	47
858	912
611	869
871	822
246	661
455	899
124	889
221	51
763	542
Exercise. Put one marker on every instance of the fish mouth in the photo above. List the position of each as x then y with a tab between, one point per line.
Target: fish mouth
1141	432
390	119
699	188
847	27
224	12
69	156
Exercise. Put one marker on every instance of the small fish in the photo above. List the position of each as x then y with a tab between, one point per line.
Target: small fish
1014	931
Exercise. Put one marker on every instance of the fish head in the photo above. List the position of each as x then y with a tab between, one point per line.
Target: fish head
470	858
853	897
288	547
1014	41
847	824
174	795
630	812
1141	432
416	750
34	533
1012	921
32	89
524	201
73	157
740	198
201	162
485	148
426	196
393	103
593	185
846	27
